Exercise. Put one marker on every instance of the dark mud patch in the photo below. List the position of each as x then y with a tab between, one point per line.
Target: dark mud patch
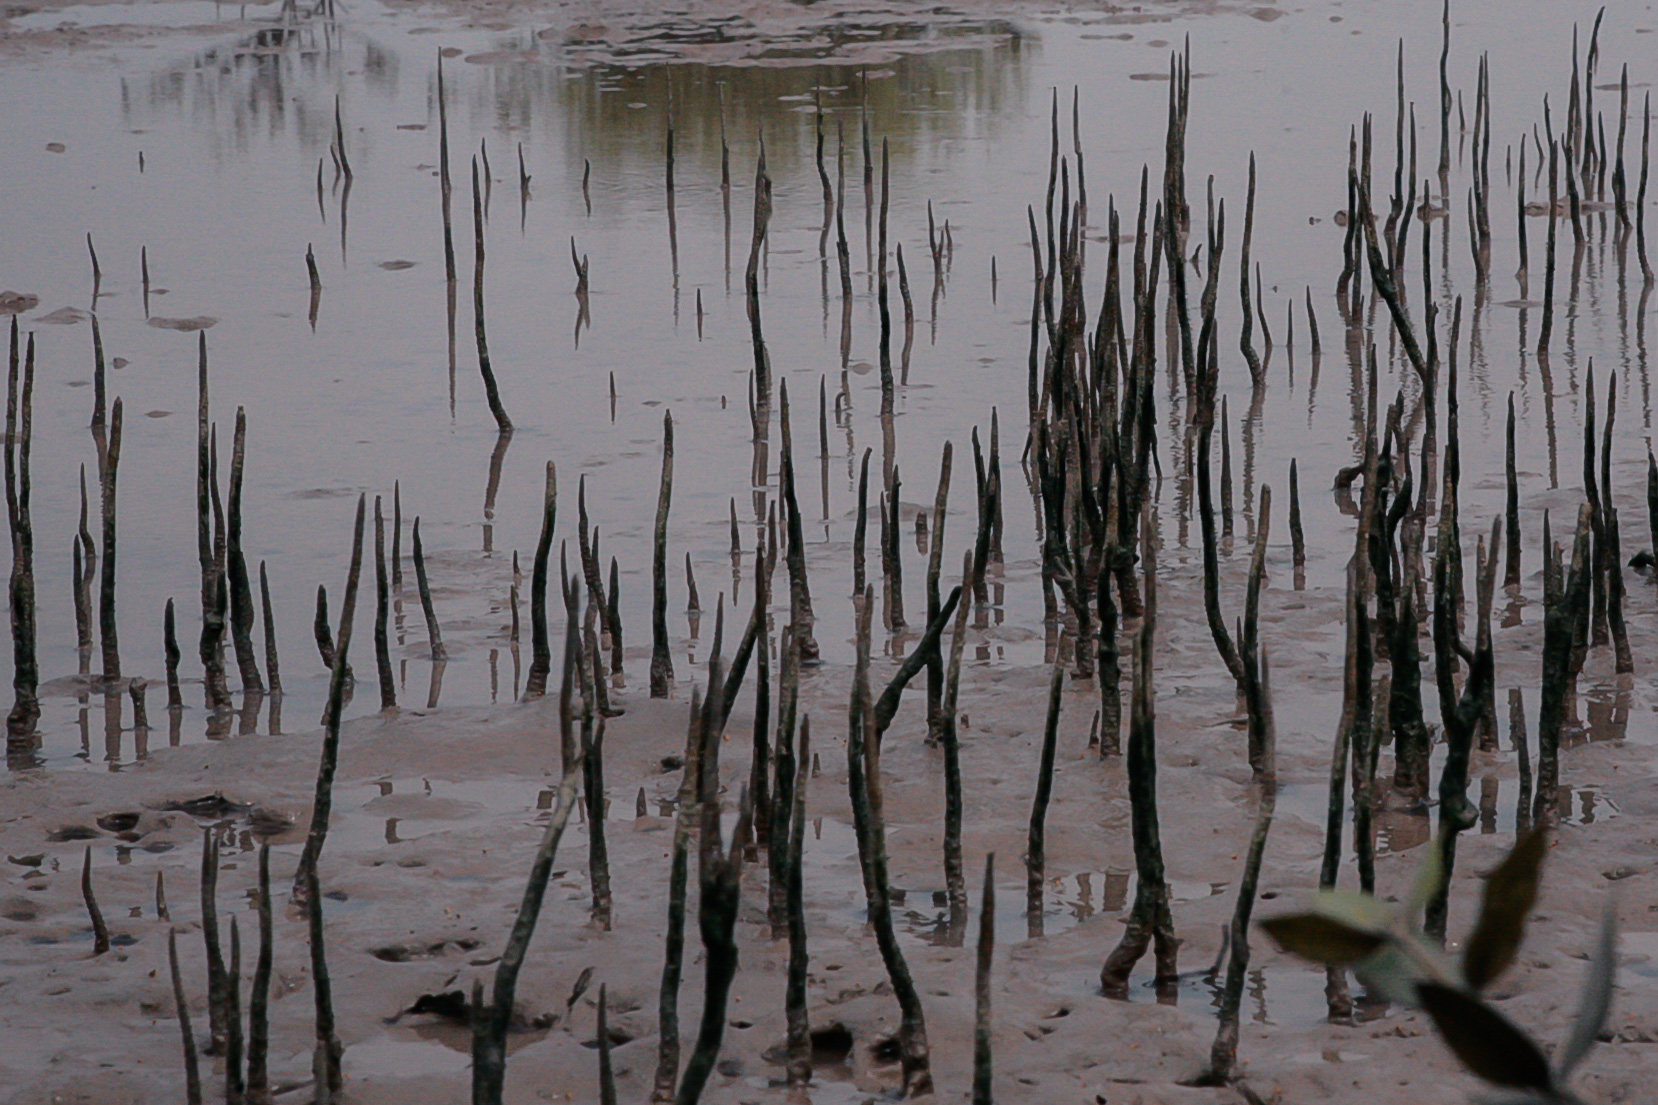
184	325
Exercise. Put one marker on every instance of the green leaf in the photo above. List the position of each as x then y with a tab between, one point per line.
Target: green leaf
1404	961
1487	1042
1597	995
1356	910
1430	874
1322	939
1390	973
1510	893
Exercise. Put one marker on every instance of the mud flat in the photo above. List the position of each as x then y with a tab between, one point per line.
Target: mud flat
285	220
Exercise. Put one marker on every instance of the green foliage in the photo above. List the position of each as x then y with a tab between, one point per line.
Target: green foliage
1596	1001
1487	1042
1323	939
1387	948
1510	893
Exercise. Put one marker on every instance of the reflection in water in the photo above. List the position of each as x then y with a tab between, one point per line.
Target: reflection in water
1606	709
273	82
673	219
1518	745
1278	996
566	105
1067	901
1401	829
600	113
436	687
1488	804
1504	802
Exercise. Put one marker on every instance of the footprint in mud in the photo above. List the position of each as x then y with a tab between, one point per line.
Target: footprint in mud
450	1005
123	822
217	810
207	807
263	822
447	1020
831	1045
618	1037
407	953
19	909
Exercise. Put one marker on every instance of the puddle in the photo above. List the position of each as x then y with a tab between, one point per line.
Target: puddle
1288	997
1495	799
1067	901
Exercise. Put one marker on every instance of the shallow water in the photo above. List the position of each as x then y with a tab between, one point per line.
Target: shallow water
168	14
231	136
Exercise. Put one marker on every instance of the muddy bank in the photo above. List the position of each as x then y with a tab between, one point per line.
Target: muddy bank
437	814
